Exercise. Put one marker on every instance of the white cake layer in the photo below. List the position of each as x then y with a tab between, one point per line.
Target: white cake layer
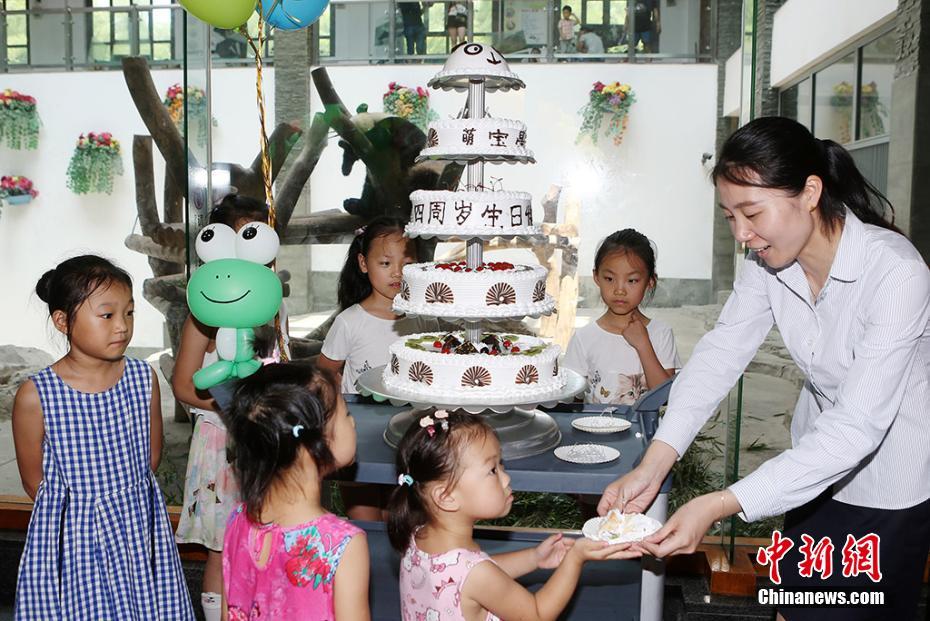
442	212
517	292
487	137
519	377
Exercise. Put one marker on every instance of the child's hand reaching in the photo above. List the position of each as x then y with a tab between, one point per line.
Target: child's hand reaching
549	553
585	549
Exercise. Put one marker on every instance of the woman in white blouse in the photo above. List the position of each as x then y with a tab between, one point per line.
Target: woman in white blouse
851	298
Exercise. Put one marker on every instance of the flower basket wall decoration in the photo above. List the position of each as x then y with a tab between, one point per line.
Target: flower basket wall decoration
16	190
409	103
610	102
195	102
96	161
19	120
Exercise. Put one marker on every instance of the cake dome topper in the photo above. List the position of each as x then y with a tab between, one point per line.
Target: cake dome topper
476	60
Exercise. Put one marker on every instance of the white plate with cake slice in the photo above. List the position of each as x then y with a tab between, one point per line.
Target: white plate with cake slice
617	527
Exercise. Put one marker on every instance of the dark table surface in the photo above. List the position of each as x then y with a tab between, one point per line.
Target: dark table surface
540	473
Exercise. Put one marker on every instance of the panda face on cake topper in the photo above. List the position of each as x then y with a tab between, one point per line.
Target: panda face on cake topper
471	60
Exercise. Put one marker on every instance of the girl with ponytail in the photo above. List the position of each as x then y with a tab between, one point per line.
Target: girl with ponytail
450	476
361	334
284	555
851	298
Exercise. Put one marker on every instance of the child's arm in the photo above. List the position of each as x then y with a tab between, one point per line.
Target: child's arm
333	366
575	19
638	337
28	433
155	432
491	588
195	339
547	555
350	595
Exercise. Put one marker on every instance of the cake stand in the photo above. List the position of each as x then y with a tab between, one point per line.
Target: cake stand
522	429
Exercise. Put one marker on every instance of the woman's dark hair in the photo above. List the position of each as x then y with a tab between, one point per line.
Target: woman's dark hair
628	241
260	424
235	207
779	153
428	458
354	285
67	286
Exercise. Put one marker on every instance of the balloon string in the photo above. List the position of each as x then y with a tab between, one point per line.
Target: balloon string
257	48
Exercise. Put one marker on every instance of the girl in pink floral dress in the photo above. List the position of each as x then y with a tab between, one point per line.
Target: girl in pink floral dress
451	475
284	556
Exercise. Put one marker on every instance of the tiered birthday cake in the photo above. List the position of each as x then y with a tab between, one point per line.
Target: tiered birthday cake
471	214
490	291
493	366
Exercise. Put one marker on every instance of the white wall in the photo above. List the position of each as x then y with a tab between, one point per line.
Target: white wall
60	224
653	181
806	33
732	84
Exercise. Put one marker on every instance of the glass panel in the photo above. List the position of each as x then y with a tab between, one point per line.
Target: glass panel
16	5
162	24
645	31
833	108
795	102
878	61
161	51
17	55
594	12
144	18
524	28
121	26
17	31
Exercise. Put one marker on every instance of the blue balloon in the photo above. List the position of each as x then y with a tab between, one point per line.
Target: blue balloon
292	14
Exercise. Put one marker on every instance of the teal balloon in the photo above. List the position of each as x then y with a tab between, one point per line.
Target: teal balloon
221	13
292	14
233	293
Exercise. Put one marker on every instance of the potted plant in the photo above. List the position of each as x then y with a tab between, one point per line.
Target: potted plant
96	160
606	101
19	120
17	190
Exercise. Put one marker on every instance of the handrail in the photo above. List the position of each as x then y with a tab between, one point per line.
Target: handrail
140	40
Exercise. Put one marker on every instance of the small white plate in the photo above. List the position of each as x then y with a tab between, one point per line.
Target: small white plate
601	424
645	527
587	453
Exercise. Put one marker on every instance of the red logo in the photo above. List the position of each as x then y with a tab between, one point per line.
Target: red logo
860	556
817	558
772	554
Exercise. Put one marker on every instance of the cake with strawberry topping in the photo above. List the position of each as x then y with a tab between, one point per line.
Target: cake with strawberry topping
491	290
448	366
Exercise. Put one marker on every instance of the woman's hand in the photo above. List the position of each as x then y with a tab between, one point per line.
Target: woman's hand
635	491
585	549
549	553
686	528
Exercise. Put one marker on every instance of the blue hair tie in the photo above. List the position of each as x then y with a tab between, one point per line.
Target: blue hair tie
405	479
296	430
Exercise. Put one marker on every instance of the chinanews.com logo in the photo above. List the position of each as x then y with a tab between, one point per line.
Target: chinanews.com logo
858	557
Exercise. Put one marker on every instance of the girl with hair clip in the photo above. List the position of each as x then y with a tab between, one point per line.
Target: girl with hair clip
851	298
210	492
284	555
623	354
451	476
361	334
88	436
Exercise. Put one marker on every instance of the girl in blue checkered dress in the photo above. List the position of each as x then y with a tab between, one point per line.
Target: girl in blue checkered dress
88	435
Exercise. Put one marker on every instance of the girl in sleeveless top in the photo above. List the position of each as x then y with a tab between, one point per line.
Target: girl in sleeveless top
88	435
284	555
450	476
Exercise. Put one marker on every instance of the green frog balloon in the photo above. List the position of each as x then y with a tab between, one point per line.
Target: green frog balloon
234	291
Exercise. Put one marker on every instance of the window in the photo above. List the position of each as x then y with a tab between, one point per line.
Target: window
17	33
834	98
795	102
326	32
112	32
878	60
